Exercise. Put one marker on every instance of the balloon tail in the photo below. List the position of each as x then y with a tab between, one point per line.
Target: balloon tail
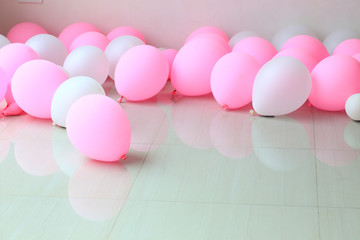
121	99
173	92
225	107
123	157
253	113
310	105
12	110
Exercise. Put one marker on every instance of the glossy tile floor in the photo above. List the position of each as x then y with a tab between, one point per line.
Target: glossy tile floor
194	171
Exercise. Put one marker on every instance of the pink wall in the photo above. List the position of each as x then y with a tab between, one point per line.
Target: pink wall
166	23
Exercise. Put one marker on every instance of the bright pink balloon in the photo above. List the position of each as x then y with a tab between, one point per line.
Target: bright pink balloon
335	79
125	30
357	57
232	79
96	39
12	110
34	85
312	45
205	30
141	73
300	54
22	32
348	47
192	66
3	84
72	31
261	49
99	128
170	55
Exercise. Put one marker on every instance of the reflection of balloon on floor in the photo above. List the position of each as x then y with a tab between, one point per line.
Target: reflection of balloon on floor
336	158
5	148
352	134
230	133
192	118
146	120
97	191
33	148
277	140
67	157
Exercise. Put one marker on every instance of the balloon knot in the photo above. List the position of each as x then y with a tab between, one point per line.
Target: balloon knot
253	113
121	99
225	107
310	105
123	157
173	92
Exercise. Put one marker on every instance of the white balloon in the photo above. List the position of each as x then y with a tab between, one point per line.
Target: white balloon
48	47
70	91
281	86
241	35
117	47
88	61
334	38
3	41
352	107
286	33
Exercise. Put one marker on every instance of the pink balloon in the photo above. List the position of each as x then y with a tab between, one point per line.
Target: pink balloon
12	110
170	55
348	47
72	31
141	73
312	45
12	56
3	84
357	57
22	32
207	29
96	39
300	54
34	84
232	79
335	79
261	49
99	128
192	66
125	30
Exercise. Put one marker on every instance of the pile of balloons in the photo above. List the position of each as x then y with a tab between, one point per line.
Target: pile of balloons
60	78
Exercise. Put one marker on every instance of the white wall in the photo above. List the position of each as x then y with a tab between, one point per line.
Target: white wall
166	23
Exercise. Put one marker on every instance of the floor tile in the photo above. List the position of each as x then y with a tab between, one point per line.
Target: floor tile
147	220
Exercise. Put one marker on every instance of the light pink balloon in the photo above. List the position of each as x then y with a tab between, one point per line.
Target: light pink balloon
261	49
12	110
357	57
69	33
300	54
34	84
99	128
125	30
232	79
12	56
141	73
170	55
207	29
213	36
335	79
312	45
348	47
192	66
281	86
3	84
22	32
96	39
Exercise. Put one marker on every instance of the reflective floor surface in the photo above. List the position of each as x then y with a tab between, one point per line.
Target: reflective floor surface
194	171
